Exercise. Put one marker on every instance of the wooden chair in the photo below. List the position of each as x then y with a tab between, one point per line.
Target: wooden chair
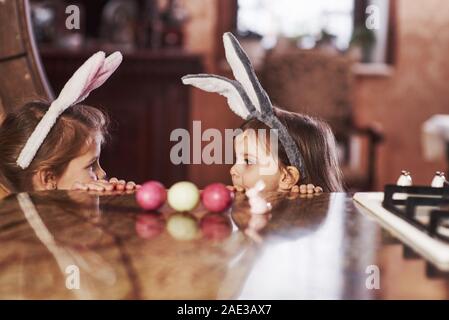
21	75
319	84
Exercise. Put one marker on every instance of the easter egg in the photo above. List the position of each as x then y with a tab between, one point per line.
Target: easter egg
149	226
182	227
215	226
216	197
151	196
183	196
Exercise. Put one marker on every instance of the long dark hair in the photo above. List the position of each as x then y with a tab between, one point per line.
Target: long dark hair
315	141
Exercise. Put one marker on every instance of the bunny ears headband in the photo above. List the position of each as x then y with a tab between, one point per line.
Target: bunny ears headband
91	75
245	96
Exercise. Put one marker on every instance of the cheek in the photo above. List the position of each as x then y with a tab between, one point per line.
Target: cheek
243	175
250	175
253	174
72	175
271	182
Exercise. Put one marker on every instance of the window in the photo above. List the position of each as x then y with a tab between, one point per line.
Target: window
309	22
297	18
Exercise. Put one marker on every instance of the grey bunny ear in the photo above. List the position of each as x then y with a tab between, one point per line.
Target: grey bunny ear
244	73
246	97
238	100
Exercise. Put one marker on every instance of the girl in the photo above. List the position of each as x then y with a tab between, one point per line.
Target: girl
69	158
315	142
306	152
57	146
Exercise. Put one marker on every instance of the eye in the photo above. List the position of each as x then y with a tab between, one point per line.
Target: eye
250	161
92	166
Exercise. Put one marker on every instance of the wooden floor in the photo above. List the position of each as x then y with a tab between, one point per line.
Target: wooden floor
319	247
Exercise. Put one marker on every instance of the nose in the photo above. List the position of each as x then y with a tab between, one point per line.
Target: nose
101	174
234	172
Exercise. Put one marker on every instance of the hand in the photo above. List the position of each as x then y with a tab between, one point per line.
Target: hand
235	188
122	185
307	189
113	184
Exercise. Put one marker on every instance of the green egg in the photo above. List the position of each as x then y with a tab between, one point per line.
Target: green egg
183	196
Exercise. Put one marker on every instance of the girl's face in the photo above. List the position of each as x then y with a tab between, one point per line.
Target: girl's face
84	168
254	162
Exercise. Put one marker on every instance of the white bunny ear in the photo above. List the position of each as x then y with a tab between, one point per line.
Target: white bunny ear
110	64
89	76
77	85
244	73
238	100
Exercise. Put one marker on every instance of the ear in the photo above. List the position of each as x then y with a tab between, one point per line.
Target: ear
77	86
244	73
110	64
289	178
44	180
3	191
72	91
238	100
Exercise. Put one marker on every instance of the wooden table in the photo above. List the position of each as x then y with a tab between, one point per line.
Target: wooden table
319	247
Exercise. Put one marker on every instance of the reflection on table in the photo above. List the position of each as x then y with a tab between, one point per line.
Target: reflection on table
306	247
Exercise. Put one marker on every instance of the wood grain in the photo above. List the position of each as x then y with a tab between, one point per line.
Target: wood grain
316	247
21	75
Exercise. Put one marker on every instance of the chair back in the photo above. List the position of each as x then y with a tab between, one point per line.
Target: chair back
21	74
311	82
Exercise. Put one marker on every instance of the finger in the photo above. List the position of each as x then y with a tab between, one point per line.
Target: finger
121	184
303	188
295	189
79	186
98	187
93	186
310	191
107	186
138	186
113	180
230	188
318	189
310	186
130	185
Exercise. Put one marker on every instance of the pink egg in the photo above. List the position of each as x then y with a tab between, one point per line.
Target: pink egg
216	197
151	196
215	226
149	225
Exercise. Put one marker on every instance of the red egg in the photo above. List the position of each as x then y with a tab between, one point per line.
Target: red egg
216	197
151	196
149	226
